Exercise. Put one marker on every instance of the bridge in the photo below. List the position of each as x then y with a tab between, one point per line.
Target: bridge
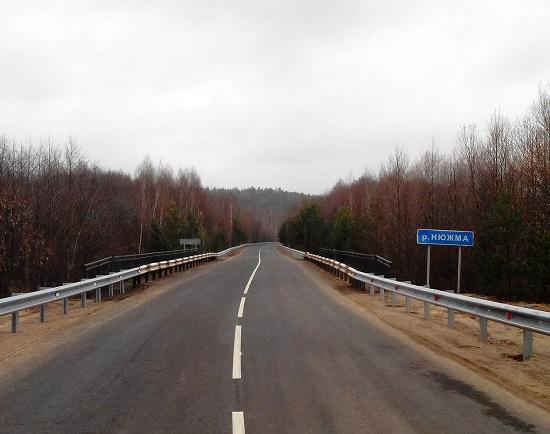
253	339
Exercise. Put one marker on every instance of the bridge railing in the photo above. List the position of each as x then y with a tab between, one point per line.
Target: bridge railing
124	262
365	262
529	320
15	304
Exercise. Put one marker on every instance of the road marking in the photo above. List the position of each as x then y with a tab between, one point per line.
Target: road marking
241	308
238	422
254	272
237	354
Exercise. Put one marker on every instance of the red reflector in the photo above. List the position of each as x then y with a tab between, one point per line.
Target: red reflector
436	297
509	315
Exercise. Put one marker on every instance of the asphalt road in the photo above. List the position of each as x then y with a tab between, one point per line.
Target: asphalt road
310	363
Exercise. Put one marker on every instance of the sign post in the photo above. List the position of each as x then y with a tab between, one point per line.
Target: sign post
428	268
459	267
438	237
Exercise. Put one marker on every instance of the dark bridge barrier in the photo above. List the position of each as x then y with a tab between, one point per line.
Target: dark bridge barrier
113	264
364	262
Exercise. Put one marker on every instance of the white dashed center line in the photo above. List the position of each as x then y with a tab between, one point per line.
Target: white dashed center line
241	308
238	416
237	354
238	422
254	272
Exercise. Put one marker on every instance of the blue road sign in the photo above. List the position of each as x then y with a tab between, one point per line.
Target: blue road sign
444	237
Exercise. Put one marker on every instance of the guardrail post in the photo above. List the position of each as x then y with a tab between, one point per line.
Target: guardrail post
407	281
451	318
83	300
111	290
122	287
371	289
393	299
408	304
427	310
15	322
483	329
381	291
66	305
527	344
98	295
42	313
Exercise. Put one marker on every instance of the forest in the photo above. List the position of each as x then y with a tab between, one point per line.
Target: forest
495	182
59	211
268	206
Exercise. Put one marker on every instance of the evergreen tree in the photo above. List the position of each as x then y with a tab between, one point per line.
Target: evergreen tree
343	230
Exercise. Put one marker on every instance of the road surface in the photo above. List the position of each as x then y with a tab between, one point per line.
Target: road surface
310	363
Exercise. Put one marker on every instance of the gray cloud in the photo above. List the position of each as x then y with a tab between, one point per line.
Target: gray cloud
295	94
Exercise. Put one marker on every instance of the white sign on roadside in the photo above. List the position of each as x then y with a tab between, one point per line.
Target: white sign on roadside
190	242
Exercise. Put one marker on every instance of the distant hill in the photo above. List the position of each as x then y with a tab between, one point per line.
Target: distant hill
268	206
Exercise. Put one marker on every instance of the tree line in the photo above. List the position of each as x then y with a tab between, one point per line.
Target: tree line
58	211
495	182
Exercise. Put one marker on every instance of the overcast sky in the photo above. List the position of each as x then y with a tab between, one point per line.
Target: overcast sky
293	94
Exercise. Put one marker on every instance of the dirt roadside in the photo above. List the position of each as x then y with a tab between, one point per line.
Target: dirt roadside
32	330
499	360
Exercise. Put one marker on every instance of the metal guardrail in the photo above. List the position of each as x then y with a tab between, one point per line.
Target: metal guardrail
529	320
13	305
230	249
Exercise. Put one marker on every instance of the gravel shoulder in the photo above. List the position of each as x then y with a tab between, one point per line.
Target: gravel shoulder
499	360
